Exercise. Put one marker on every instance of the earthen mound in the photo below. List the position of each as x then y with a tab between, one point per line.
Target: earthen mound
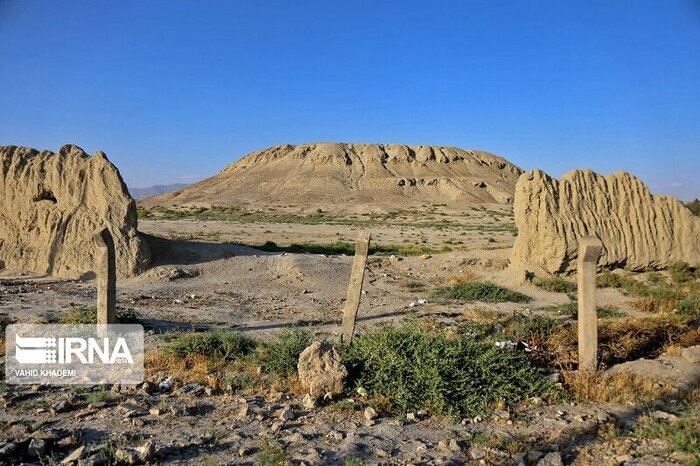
338	174
638	230
52	203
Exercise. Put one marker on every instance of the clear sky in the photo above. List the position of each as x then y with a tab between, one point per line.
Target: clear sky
175	90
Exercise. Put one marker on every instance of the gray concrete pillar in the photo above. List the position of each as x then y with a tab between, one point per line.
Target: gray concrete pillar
106	270
590	248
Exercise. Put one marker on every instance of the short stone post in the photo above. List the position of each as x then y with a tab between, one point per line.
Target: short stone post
590	248
106	270
355	287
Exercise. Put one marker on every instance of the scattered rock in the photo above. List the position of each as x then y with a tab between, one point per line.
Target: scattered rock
321	371
286	415
37	448
692	354
551	459
370	413
309	402
74	456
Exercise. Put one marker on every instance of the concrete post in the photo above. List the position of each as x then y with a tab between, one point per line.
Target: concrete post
106	270
590	248
355	287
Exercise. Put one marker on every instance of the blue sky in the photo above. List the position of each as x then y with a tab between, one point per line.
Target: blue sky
175	90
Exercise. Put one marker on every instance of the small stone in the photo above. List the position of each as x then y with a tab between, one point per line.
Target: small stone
156	411
421	447
74	456
147	451
61	407
335	435
621	459
37	448
551	459
126	455
477	419
370	413
477	453
243	410
662	415
245	451
276	426
534	455
381	453
411	416
692	354
286	415
309	402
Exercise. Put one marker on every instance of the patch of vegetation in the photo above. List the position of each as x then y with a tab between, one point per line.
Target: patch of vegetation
221	345
694	206
682	272
455	375
280	357
622	340
88	316
571	310
344	247
271	455
554	284
656	295
681	434
480	291
102	396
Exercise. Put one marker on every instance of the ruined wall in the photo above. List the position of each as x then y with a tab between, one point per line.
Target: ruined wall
638	230
50	204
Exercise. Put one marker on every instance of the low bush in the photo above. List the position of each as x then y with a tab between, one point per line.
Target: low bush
571	309
480	291
554	284
681	434
280	357
222	345
681	272
454	375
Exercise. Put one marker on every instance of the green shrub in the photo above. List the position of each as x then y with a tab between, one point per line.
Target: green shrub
554	284
223	345
279	357
88	316
571	310
457	376
480	291
530	328
682	434
681	272
689	306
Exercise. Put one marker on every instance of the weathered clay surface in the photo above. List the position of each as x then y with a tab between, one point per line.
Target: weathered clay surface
51	205
341	174
638	230
321	371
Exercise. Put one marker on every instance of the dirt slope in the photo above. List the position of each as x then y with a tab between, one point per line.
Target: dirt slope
338	174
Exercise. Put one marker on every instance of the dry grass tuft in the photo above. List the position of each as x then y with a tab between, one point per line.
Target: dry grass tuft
624	339
614	388
468	276
188	369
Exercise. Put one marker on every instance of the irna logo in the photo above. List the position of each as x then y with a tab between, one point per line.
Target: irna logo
69	350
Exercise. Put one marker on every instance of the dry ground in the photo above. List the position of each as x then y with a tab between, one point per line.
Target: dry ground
259	293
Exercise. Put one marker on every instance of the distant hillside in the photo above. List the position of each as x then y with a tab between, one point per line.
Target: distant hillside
340	175
142	193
